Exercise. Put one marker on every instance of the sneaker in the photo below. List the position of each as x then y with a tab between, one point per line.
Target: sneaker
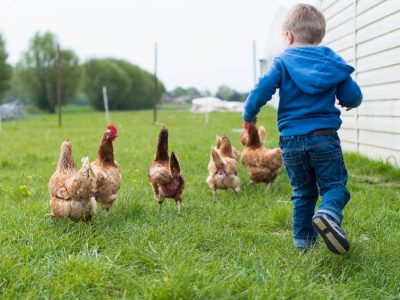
334	236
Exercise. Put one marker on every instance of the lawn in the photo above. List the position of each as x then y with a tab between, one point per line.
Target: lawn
238	248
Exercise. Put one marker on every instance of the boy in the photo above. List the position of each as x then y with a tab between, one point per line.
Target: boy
309	78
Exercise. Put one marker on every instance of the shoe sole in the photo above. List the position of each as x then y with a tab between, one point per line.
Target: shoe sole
335	242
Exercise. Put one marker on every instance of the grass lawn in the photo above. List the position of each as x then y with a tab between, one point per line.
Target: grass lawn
240	247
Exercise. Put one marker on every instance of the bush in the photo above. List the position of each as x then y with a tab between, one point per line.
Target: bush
128	86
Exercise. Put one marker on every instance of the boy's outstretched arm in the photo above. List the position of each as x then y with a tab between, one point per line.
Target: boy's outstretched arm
349	94
262	92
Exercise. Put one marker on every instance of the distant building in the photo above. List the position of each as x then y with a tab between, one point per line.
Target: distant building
10	111
183	100
176	100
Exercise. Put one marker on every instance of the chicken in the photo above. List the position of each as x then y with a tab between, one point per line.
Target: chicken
244	135
262	164
223	168
165	173
71	191
106	170
235	153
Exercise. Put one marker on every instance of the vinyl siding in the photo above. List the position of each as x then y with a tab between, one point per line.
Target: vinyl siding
366	33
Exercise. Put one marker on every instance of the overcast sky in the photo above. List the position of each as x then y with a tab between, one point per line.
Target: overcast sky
202	43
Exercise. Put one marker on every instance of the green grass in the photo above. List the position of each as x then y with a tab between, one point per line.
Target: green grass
239	248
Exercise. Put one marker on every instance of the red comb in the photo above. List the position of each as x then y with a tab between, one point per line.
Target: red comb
113	128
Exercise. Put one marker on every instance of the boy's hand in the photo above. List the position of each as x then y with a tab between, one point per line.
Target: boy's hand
346	108
246	125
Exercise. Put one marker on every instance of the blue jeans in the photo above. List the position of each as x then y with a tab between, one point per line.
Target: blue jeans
314	164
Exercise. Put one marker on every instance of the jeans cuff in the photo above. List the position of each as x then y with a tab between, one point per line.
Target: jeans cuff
304	243
330	214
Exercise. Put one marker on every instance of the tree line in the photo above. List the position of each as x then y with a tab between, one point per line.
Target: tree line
223	92
34	78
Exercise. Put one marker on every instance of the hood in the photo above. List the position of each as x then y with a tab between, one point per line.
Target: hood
315	69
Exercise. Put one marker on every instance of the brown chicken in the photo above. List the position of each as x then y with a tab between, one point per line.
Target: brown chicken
165	173
235	153
106	170
245	134
262	164
71	191
223	168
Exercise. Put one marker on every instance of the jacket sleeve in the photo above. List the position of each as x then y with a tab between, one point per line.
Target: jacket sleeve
262	92
349	93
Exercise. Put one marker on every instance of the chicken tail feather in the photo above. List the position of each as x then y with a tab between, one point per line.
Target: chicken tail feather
216	158
162	146
66	162
218	140
262	134
174	165
85	165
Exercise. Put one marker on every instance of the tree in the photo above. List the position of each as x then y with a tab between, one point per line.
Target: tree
206	93
179	92
128	86
224	92
37	71
5	69
191	92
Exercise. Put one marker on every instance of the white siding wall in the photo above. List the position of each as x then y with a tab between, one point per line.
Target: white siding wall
366	33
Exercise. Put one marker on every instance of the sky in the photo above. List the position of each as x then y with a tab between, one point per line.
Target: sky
203	43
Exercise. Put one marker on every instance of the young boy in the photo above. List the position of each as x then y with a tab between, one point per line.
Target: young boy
309	78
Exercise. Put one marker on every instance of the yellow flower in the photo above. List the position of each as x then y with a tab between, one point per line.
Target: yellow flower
134	181
28	193
29	177
22	187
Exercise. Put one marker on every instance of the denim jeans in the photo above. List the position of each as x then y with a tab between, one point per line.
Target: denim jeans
314	164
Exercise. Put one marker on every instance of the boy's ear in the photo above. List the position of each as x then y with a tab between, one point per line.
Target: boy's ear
289	37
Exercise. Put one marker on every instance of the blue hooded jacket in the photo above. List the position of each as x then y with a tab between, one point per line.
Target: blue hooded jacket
309	79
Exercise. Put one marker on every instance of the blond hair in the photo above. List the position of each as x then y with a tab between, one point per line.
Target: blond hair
306	23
